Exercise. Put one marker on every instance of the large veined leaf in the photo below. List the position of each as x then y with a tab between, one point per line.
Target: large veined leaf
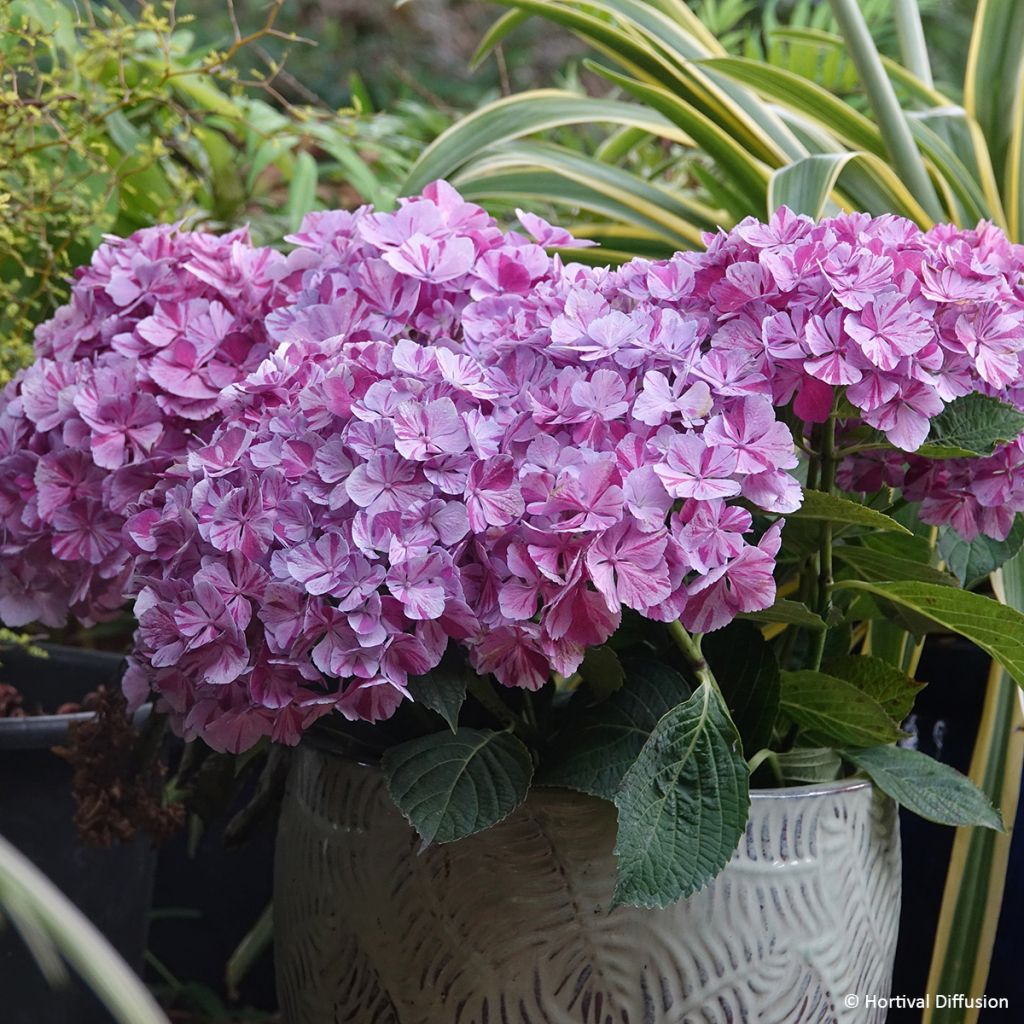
892	688
879	565
821	505
443	689
789	613
995	628
927	787
972	561
452	785
601	744
524	114
833	709
683	805
972	425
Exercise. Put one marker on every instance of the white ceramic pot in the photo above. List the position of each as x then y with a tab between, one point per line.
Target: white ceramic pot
511	926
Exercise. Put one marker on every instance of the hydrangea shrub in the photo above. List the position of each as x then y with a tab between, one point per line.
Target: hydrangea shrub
318	472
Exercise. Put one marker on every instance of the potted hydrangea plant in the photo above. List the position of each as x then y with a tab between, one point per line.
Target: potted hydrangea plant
577	589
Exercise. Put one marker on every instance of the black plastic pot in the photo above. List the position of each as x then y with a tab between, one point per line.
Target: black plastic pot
111	887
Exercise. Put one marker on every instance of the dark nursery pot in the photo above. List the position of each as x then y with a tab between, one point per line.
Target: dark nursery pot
111	887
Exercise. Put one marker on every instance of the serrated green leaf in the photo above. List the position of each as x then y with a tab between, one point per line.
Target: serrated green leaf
819	505
683	805
791	613
450	786
972	561
600	744
747	672
970	426
809	764
893	689
878	565
994	627
443	689
827	706
927	787
602	672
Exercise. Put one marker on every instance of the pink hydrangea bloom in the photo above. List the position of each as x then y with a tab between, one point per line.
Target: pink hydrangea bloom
127	378
315	471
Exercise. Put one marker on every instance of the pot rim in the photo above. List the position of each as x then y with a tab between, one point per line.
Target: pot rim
850	784
41	732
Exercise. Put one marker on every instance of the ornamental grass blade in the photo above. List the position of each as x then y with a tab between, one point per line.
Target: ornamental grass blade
992	82
892	123
76	938
531	171
524	114
973	896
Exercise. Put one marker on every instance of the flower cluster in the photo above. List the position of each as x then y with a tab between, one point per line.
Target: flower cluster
127	378
901	320
314	471
457	437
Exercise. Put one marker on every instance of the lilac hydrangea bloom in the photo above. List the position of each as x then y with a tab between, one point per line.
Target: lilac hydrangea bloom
314	471
127	378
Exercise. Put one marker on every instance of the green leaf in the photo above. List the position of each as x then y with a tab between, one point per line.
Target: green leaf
537	171
972	425
831	707
791	613
994	627
927	787
893	689
747	673
992	77
527	114
450	786
877	565
301	190
682	806
809	764
973	560
443	689
819	505
599	746
602	672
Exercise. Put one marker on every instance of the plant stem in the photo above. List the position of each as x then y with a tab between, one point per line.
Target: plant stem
690	647
827	484
484	693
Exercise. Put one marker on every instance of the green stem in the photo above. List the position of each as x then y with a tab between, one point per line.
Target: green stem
825	576
484	693
690	648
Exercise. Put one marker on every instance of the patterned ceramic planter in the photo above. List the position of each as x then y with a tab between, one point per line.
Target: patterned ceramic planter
511	926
